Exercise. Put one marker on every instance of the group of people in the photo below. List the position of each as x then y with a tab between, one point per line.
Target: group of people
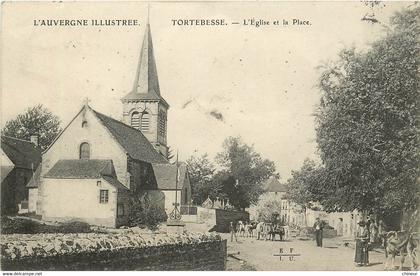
369	233
260	230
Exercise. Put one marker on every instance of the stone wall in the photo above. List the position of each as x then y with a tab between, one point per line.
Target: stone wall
224	217
210	255
218	219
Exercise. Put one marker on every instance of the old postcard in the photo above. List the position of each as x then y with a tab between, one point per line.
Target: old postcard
228	136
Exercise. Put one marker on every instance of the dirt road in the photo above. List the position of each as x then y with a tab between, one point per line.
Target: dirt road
262	255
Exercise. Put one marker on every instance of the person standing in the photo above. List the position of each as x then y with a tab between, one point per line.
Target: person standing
260	230
232	232
318	227
361	257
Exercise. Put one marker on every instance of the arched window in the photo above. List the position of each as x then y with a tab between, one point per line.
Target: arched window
145	121
84	124
84	151
135	120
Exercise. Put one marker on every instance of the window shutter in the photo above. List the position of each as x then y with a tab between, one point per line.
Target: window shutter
135	120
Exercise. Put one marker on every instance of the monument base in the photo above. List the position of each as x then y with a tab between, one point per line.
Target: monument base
175	226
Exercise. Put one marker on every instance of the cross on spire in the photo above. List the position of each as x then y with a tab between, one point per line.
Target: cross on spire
148	12
86	101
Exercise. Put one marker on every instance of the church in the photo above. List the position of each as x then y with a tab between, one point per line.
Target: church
97	164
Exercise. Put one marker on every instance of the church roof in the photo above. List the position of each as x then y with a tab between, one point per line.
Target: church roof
146	82
166	176
23	154
81	168
132	140
85	169
273	185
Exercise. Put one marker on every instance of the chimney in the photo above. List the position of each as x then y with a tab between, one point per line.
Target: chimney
34	139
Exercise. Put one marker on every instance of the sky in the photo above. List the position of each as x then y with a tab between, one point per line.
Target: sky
261	80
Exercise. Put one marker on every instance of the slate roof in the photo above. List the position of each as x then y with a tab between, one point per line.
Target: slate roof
23	154
150	96
273	185
35	179
4	172
81	168
114	182
166	176
132	140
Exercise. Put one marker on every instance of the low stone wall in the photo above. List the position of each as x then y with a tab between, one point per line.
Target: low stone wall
224	217
185	253
218	219
326	233
329	233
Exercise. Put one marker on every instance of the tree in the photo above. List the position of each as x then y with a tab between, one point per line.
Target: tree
36	120
301	184
243	172
305	186
368	123
201	172
267	206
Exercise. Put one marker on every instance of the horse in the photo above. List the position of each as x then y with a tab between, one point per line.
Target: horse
404	244
267	231
276	230
260	230
241	229
250	228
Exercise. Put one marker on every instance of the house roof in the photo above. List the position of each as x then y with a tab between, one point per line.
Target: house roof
166	176
4	172
132	140
23	154
35	179
114	182
146	83
81	168
273	185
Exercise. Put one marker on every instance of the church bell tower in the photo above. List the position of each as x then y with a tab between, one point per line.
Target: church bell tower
144	108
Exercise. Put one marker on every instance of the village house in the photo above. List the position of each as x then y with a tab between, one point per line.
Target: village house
19	160
97	163
176	191
289	212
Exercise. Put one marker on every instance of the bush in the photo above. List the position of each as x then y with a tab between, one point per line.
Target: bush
149	216
18	226
74	227
27	226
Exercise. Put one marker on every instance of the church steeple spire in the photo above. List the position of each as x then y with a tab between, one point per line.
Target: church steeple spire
144	107
146	82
